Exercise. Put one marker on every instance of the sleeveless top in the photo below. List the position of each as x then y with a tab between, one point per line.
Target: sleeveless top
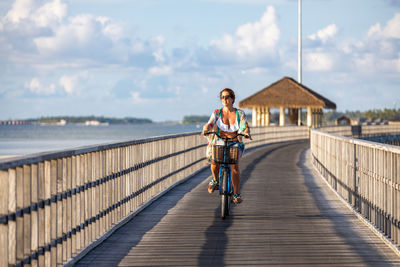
216	118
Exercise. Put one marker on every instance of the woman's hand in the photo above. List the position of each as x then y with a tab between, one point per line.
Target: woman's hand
248	136
206	128
247	132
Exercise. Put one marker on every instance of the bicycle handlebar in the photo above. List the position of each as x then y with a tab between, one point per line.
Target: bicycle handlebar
226	138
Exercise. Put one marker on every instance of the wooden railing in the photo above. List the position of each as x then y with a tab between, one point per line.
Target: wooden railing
269	135
54	206
366	174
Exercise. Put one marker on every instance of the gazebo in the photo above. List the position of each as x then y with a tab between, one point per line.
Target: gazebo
287	93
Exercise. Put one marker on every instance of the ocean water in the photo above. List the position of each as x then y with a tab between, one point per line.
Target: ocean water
18	140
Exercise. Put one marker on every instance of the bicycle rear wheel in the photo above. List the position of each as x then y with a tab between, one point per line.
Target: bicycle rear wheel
225	195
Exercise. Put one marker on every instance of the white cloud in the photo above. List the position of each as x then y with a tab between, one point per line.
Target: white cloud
36	87
72	85
111	29
21	9
159	56
160	70
252	39
379	51
82	34
325	34
42	30
50	14
68	83
136	98
204	90
318	62
391	30
397	63
255	71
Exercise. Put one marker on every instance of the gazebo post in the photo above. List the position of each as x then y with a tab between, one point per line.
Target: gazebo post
299	117
309	117
254	117
262	113
282	116
267	117
258	116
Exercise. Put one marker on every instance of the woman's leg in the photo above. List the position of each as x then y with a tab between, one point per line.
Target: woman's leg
213	184
235	174
215	171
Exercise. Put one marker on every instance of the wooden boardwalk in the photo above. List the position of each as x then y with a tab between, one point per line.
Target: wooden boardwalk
288	217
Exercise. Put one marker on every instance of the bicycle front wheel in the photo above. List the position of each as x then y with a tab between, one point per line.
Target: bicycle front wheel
225	195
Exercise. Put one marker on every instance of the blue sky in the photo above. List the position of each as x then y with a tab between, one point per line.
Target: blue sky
164	59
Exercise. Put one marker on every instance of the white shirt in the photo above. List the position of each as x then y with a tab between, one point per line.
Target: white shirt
222	126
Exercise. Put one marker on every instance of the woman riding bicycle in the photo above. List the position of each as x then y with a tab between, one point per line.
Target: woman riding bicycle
228	121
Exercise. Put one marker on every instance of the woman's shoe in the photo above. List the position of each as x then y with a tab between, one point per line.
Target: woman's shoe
212	185
237	199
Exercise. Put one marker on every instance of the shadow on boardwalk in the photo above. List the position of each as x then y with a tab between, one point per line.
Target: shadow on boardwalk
289	217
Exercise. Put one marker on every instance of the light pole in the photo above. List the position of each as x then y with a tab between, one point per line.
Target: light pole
299	55
299	43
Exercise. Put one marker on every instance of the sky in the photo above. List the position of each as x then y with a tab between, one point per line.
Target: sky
164	59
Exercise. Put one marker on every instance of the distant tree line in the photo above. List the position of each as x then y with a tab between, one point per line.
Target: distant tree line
195	119
384	114
83	119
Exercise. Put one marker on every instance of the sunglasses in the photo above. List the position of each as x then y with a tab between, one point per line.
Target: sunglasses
225	97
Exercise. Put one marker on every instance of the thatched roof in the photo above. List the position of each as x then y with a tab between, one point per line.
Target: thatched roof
287	93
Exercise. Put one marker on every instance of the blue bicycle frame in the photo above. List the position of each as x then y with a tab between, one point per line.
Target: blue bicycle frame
227	169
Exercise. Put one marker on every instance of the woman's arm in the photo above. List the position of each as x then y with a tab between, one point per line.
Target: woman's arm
210	124
247	131
206	128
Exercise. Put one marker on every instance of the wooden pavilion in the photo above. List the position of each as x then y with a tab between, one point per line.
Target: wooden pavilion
287	93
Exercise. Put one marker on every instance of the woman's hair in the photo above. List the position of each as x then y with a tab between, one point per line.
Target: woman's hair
230	91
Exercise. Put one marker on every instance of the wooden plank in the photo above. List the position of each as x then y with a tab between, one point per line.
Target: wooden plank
107	219
20	220
68	220
113	195
64	209
87	231
118	184
60	210
27	203
54	220
74	209
34	213
92	198
48	212
101	191
12	225
4	212
96	195
81	201
41	211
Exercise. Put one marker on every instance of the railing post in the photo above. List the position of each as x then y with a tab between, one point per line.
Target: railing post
4	242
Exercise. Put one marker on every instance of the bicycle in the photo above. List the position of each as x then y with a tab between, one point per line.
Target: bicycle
225	155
